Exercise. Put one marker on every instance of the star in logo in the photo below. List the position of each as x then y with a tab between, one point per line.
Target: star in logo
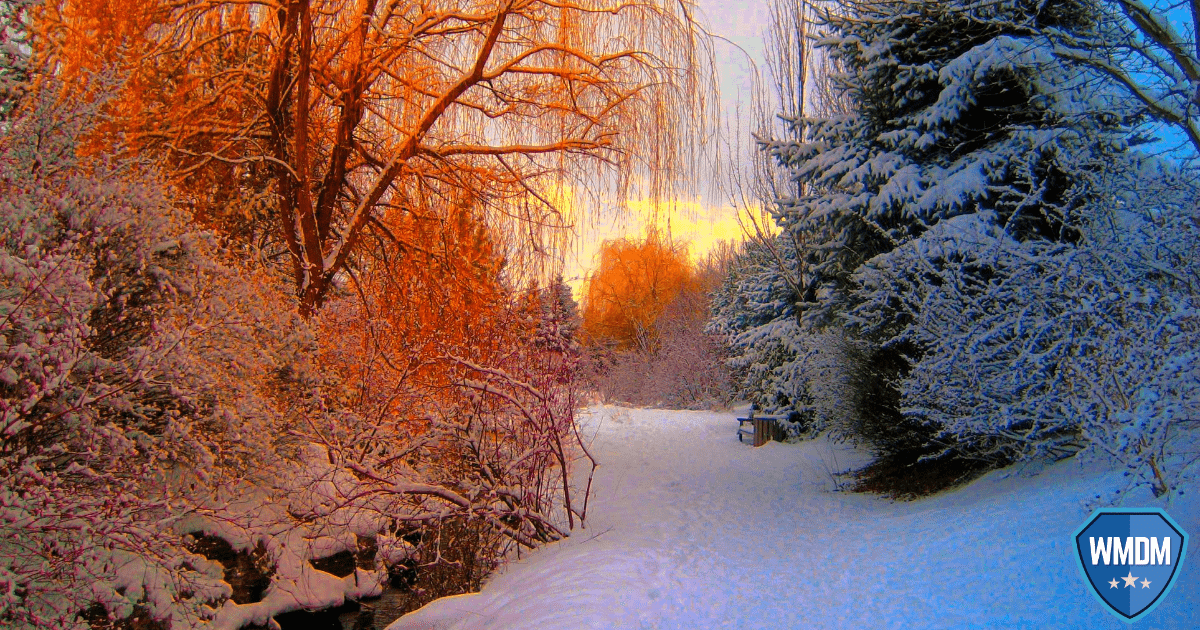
1130	580
1145	583
1113	583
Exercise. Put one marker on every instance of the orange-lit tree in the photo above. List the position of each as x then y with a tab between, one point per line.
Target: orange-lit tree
335	117
631	288
644	320
461	387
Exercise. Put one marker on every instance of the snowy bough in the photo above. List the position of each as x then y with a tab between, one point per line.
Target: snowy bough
1042	350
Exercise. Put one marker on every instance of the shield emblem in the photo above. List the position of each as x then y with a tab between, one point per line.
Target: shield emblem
1130	558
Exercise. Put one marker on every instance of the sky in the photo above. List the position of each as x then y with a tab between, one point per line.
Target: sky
738	29
708	218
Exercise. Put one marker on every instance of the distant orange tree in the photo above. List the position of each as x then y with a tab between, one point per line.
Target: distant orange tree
320	121
635	283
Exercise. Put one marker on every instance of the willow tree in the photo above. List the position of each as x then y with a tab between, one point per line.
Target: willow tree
343	116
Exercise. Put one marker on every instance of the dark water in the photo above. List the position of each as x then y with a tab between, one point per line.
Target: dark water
369	614
377	613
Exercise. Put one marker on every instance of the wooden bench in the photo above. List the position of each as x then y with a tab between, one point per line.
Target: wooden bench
765	429
745	432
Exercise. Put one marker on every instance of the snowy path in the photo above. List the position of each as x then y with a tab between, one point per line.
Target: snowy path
690	529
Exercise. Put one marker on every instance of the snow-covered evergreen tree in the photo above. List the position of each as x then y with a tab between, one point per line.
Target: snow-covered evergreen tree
957	109
560	311
1060	347
754	311
1018	284
775	362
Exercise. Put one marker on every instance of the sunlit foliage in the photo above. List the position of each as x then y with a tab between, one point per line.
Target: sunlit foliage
632	286
171	169
318	122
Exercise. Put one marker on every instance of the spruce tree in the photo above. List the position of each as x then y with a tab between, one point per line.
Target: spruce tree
754	309
957	108
954	109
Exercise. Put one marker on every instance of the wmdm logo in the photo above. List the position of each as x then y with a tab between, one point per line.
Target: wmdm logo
1130	557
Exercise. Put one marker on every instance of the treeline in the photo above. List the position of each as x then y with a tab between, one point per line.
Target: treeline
273	280
977	265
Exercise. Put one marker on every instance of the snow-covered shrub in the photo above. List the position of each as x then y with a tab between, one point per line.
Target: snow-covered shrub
459	410
138	373
1037	349
688	369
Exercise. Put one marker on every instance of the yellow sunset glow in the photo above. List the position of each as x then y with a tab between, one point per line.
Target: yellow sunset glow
700	225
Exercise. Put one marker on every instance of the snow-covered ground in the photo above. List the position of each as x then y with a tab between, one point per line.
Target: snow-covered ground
688	528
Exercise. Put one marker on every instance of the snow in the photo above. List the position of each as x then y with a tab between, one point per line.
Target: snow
688	528
246	516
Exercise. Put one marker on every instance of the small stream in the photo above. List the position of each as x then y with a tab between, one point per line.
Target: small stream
377	613
369	614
